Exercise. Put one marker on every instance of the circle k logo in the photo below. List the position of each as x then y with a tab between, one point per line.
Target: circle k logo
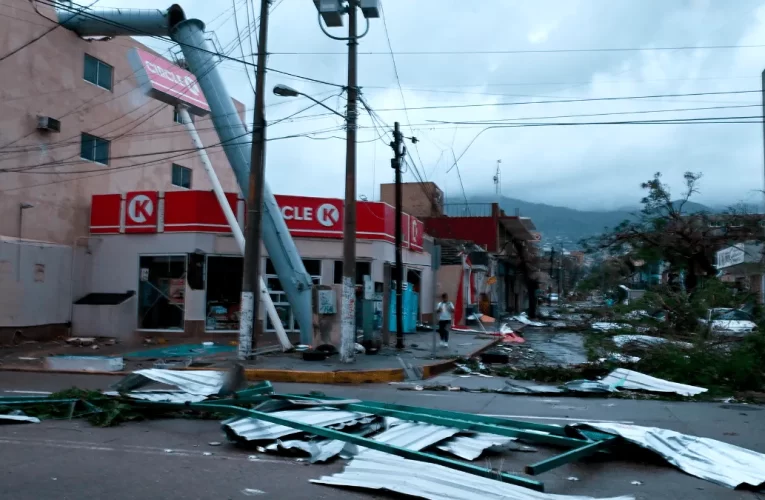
140	208
327	215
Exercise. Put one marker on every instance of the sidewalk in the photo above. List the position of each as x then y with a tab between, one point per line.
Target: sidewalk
389	365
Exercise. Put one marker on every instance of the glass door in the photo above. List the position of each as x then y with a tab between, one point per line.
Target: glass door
161	292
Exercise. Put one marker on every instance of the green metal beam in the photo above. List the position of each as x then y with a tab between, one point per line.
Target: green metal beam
464	422
368	443
555	430
568	457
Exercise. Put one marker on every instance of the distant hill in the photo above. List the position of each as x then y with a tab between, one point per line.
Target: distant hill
567	225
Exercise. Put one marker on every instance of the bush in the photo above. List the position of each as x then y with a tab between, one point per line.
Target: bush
721	368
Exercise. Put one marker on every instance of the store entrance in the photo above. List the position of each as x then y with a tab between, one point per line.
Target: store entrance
161	292
224	290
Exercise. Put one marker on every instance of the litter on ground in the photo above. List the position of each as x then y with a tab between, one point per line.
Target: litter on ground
390	446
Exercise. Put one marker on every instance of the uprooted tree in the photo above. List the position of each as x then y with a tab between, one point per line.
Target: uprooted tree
686	241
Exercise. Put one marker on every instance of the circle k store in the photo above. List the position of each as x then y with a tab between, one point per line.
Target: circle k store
174	255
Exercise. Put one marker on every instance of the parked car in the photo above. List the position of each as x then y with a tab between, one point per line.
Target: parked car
552	297
726	320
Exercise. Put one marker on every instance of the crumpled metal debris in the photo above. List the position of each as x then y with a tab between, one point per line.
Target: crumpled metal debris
250	429
646	341
18	417
636	381
319	451
381	471
720	463
472	446
523	318
197	382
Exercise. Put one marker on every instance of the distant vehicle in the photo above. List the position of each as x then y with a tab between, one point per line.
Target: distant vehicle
726	320
553	297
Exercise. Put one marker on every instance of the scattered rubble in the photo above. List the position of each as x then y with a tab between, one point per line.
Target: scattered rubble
392	441
85	363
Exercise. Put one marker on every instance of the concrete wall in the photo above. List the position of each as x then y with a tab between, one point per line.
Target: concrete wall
105	321
46	78
34	283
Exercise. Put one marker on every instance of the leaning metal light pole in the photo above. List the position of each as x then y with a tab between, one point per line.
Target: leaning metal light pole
331	11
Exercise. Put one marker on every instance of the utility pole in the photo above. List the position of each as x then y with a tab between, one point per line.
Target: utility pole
399	150
348	307
251	276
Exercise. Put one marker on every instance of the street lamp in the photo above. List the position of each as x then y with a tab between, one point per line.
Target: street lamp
285	91
331	12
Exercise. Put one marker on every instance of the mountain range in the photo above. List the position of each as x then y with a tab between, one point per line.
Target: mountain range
567	225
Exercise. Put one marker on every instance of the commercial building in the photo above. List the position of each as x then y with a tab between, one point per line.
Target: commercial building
74	122
107	221
175	251
741	266
480	263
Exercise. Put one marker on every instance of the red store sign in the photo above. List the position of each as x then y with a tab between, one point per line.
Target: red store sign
198	211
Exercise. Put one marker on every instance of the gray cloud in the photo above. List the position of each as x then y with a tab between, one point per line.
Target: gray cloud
582	167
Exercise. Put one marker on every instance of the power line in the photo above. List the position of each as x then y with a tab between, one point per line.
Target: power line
524	51
44	33
500	120
401	91
563	101
56	3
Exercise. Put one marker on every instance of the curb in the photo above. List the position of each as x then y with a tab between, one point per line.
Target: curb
381	376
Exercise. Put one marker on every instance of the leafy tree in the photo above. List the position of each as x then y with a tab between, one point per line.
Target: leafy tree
686	241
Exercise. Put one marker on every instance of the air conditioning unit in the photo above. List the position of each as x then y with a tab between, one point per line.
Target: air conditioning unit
48	123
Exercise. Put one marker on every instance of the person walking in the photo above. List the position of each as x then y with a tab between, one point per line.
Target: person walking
444	309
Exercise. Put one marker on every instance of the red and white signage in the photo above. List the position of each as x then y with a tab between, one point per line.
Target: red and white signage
416	234
105	212
198	211
187	211
141	209
312	217
168	82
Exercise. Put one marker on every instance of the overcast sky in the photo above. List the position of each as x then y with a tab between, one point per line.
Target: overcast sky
587	167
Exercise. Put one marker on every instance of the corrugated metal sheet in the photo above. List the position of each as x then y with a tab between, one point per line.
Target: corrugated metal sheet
380	471
470	447
251	429
166	396
198	382
320	451
18	419
717	462
628	379
414	435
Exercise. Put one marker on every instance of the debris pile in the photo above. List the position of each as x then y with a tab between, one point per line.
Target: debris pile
405	449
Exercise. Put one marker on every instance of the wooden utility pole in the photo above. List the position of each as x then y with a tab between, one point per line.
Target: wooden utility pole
348	305
251	276
399	150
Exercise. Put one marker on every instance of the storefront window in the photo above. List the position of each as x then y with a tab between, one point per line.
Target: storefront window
224	290
282	305
162	287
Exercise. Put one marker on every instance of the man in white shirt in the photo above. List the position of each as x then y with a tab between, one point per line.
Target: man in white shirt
444	309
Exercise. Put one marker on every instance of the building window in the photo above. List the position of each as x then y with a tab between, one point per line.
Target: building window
177	116
362	269
181	176
94	149
98	72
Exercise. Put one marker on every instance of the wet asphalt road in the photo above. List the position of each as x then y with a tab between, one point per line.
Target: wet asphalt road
555	348
72	460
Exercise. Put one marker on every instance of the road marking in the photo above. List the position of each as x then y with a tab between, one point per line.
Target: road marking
146	450
582	420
